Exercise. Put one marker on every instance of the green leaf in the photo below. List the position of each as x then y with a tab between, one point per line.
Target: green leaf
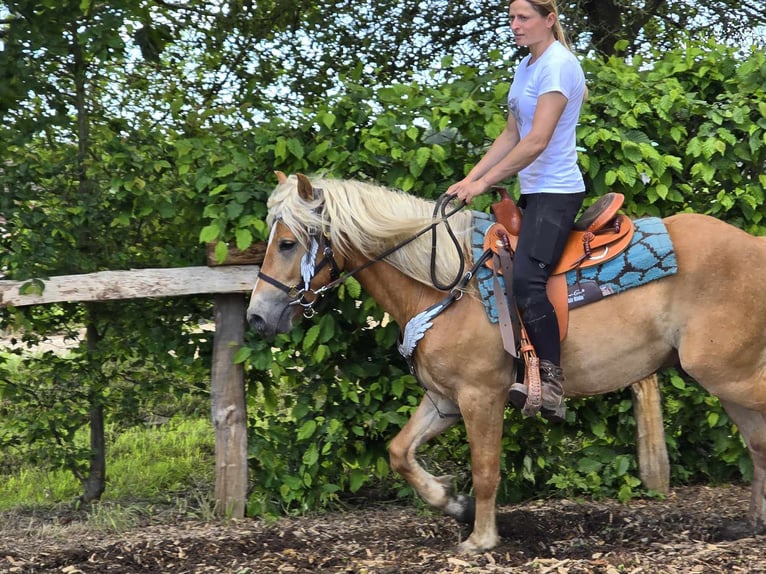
244	239
321	353
307	429
32	287
221	251
218	189
295	147
209	233
357	479
678	382
382	468
622	465
122	220
588	465
632	152
234	209
422	155
310	457
225	170
625	493
327	328
598	428
280	149
353	287
311	337
328	119
242	355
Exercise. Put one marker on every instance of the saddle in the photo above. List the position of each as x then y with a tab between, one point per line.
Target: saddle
598	235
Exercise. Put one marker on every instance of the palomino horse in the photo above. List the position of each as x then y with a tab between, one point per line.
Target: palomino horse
709	317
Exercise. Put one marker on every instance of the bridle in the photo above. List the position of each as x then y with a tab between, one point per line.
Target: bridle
321	241
309	270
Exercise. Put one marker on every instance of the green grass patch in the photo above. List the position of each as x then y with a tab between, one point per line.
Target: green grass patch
157	464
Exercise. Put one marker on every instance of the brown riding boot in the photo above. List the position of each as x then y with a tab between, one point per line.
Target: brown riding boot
552	379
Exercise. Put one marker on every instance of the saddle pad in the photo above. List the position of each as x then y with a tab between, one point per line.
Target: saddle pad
481	223
649	257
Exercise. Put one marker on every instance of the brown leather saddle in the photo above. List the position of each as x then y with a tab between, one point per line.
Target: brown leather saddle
599	234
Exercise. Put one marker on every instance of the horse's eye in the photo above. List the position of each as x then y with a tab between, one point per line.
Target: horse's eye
286	244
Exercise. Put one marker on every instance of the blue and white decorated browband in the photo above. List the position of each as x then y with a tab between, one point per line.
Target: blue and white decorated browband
308	261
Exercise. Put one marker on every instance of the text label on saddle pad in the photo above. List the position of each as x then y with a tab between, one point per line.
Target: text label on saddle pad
585	292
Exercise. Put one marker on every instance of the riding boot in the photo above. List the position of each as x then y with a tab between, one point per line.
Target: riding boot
552	379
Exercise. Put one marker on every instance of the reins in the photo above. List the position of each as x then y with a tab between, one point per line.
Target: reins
440	207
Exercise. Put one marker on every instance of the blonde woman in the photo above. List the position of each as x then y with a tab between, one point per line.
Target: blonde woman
538	145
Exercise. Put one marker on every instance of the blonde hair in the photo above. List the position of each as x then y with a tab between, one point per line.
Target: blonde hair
545	7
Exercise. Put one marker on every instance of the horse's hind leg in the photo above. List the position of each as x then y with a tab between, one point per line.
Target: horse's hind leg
752	427
434	415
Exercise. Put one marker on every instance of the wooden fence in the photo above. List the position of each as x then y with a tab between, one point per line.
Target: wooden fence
229	286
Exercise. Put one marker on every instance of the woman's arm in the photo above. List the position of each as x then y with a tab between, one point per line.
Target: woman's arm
509	154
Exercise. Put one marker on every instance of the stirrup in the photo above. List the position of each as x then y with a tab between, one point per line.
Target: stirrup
517	396
554	408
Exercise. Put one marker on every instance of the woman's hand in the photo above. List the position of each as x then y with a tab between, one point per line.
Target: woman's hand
465	190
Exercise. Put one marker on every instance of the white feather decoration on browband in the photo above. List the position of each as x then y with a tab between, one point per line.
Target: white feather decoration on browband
308	261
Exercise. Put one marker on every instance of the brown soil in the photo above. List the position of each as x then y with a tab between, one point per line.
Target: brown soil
682	533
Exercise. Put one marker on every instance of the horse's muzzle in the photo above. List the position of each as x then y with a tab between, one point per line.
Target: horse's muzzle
268	322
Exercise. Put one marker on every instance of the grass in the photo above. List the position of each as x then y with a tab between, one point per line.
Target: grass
172	464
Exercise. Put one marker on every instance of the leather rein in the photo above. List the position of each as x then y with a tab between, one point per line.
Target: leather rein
310	268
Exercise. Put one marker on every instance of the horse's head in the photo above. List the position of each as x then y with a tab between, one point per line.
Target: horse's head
299	259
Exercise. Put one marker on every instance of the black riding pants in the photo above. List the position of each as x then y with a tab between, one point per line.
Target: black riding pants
548	219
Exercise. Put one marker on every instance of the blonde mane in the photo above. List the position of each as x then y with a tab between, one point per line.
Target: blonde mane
370	219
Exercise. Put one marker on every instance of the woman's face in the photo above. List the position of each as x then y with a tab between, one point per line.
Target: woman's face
529	27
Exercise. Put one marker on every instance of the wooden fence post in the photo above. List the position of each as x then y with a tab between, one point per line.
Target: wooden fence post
228	407
654	468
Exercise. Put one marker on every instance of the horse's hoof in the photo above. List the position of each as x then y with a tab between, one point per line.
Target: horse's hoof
736	530
472	545
462	508
467	512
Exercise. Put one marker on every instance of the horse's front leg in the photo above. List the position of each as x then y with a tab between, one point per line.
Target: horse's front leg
482	410
434	415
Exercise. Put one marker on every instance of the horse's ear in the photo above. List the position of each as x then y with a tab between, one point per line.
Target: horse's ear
305	189
281	177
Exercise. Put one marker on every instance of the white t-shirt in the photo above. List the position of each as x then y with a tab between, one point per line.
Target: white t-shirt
557	70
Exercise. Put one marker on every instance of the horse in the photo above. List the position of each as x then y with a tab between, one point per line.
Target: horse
708	318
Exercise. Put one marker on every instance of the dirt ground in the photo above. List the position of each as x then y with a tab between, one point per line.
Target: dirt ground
682	533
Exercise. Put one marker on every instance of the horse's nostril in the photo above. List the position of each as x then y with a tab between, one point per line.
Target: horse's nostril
257	323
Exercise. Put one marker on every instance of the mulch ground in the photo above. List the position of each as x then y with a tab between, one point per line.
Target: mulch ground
683	533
